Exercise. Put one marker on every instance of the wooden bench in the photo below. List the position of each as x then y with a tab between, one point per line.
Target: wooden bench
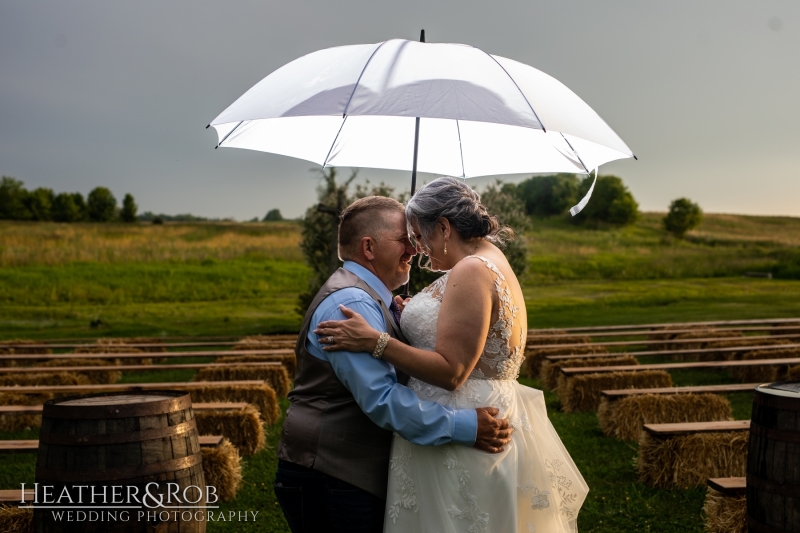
686	428
14	496
140	355
128	368
612	395
122	387
27	446
766	327
671	341
729	486
202	406
576	371
693	351
658	327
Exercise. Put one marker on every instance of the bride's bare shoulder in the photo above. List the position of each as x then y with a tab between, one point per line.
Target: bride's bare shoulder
469	270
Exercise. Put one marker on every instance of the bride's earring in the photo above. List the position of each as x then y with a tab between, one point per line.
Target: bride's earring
445	247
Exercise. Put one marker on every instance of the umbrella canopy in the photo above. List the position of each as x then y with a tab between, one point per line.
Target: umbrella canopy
481	114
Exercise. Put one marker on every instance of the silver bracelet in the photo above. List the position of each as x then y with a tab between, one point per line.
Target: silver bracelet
383	340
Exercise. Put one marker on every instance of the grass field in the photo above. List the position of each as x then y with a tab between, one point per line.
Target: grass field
234	279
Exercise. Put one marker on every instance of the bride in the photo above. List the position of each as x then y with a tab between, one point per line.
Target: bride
467	332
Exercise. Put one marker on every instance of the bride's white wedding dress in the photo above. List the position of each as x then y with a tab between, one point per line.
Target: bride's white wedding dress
532	486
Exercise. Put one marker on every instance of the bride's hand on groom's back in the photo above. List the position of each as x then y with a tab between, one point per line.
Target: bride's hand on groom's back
493	433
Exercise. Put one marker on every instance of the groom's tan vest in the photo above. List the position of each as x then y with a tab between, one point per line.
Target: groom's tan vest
325	429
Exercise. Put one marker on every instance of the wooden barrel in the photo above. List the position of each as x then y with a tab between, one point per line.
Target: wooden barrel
773	459
103	454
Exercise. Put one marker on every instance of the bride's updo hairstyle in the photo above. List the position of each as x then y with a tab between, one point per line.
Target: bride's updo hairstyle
456	201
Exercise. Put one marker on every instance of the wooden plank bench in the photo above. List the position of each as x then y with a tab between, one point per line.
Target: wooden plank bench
122	387
729	486
14	496
201	406
644	333
687	428
670	341
697	351
657	327
27	446
612	395
576	371
129	368
140	355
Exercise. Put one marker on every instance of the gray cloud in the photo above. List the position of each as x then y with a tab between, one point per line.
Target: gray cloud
118	94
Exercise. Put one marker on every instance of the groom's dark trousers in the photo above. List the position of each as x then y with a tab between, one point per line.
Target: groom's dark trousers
313	502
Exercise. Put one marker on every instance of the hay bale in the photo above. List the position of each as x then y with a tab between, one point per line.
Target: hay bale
7	349
111	341
265	342
275	375
552	369
793	374
261	396
98	376
16	520
689	460
289	361
554	337
725	514
764	373
624	418
534	357
16	422
45	378
222	468
582	392
243	427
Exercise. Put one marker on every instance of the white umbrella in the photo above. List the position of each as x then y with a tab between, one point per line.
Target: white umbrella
468	112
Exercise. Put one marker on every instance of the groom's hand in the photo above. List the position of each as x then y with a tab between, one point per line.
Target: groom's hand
493	433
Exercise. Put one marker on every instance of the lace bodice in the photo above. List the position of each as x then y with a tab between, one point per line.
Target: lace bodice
505	343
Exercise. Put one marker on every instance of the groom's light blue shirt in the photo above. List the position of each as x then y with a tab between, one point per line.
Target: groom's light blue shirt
373	382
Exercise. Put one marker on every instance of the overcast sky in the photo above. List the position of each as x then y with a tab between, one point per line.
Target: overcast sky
706	93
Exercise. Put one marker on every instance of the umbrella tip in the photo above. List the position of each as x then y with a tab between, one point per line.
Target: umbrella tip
217	146
208	126
422	36
634	157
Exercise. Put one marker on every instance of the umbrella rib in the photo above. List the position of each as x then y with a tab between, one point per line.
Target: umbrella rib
517	86
347	105
574	151
324	163
461	150
228	135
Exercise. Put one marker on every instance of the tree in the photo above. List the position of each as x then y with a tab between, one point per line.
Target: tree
40	203
129	207
510	211
546	196
83	209
272	215
12	200
611	202
65	209
683	215
101	205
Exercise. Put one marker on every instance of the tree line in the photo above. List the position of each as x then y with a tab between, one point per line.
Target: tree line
42	204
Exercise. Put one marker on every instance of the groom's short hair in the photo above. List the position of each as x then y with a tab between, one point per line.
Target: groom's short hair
364	218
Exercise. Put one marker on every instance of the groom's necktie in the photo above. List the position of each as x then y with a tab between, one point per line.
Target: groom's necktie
395	309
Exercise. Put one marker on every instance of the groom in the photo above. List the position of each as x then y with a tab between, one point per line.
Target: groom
333	458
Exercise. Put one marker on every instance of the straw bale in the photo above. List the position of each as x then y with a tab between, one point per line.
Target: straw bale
764	373
222	468
793	374
554	337
243	427
95	376
112	349
535	356
16	520
265	342
261	396
276	375
45	378
725	514
289	361
111	341
735	356
624	418
14	422
582	392
552	369
6	349
689	460
791	331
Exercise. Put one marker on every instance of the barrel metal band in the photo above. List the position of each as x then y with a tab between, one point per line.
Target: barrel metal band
119	438
780	403
775	434
85	412
784	489
117	474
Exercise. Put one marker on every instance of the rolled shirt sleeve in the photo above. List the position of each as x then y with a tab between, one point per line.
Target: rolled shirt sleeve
373	383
